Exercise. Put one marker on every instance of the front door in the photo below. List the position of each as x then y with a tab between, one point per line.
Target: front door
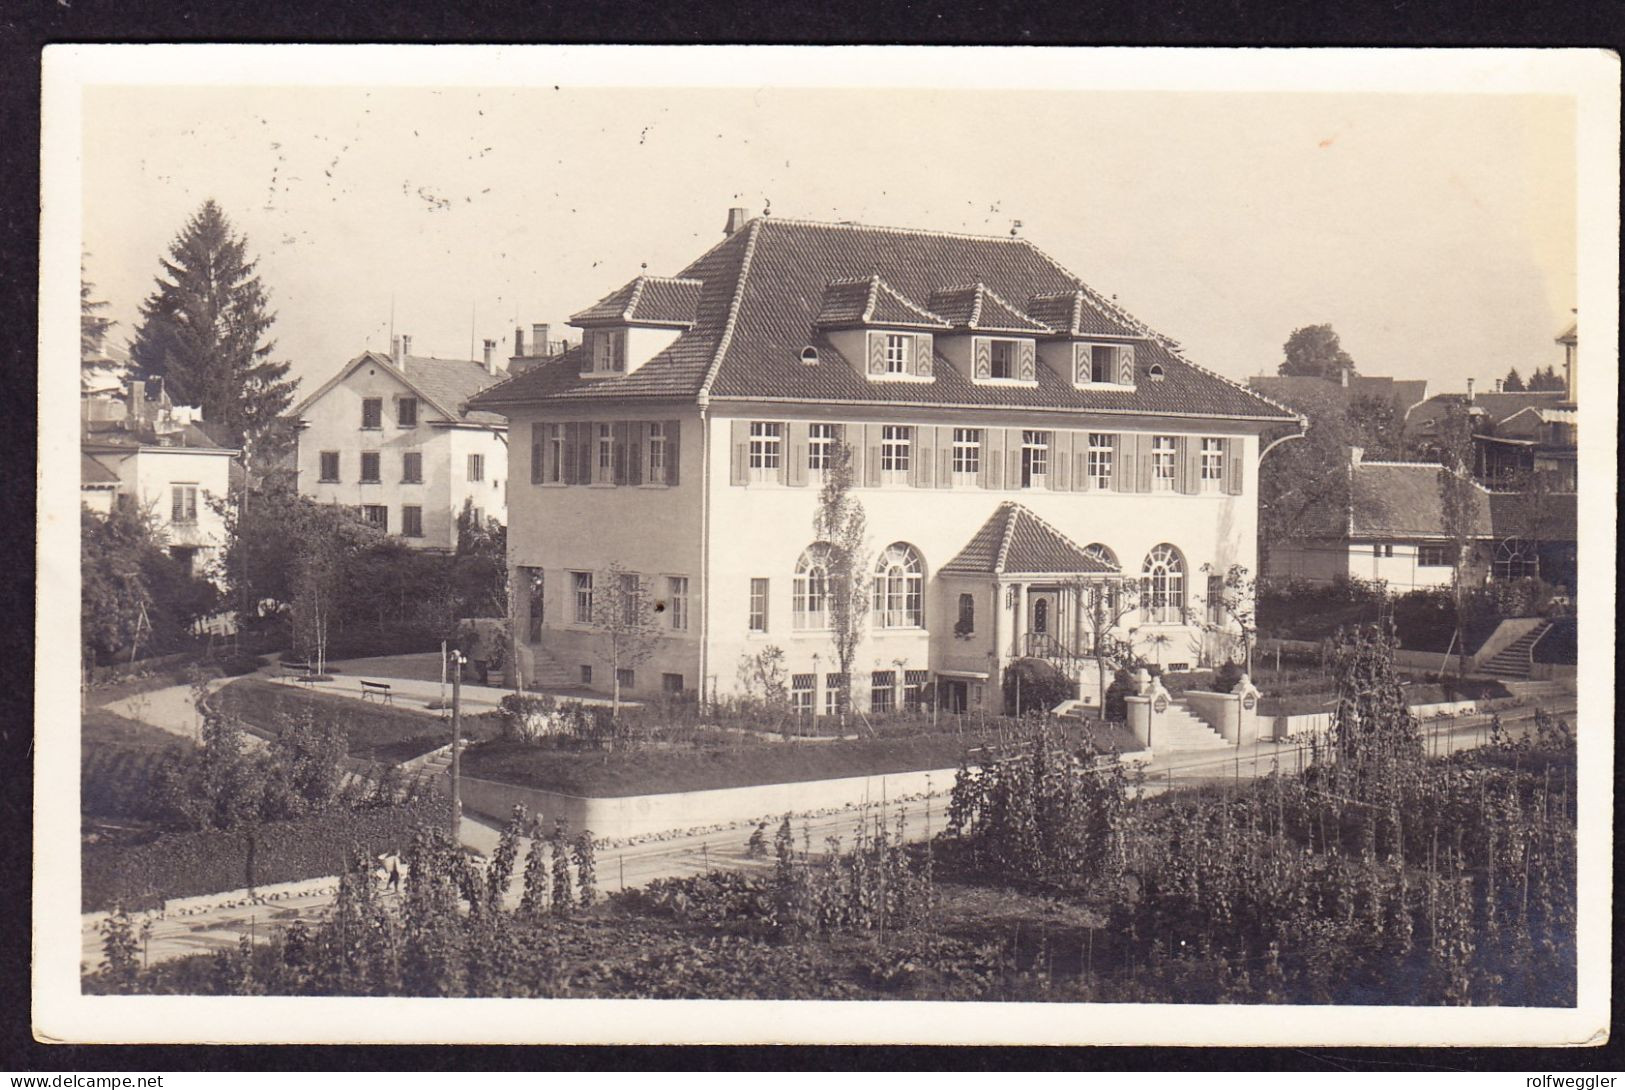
1043	622
955	695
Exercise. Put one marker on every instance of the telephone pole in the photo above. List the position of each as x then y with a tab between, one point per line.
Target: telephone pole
456	748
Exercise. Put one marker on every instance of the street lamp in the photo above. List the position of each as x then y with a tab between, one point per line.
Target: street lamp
457	659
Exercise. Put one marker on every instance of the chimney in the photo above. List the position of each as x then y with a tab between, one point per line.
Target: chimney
406	347
395	352
1498	385
490	356
1469	391
736	220
538	339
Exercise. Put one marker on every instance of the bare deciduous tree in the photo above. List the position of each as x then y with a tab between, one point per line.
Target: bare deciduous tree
628	631
841	523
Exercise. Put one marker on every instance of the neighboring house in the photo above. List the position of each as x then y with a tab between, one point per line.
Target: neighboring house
1395	533
104	368
394	437
143	451
1015	434
1402	394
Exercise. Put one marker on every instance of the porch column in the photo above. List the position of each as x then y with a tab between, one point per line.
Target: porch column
1020	618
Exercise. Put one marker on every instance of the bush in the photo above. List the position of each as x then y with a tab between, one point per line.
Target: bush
1227	677
1560	646
526	718
1112	705
1038	686
1296	609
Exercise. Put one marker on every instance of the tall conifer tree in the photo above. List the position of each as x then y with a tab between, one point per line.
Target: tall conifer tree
203	330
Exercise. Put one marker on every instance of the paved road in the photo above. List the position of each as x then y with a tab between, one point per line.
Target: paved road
204	924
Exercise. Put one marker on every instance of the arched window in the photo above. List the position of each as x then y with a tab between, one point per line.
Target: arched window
900	588
1162	586
1515	559
809	594
1104	597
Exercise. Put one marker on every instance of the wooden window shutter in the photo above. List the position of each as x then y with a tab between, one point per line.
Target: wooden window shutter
1081	482
922	354
635	433
568	470
618	438
1193	463
872	444
1012	448
783	473
1125	474
796	452
1027	360
587	451
922	462
992	475
741	451
1233	469
1182	464
1060	460
945	457
674	448
1142	462
877	353
1080	364
1125	365
536	433
982	353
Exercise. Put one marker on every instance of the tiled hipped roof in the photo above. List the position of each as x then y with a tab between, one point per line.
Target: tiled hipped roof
1016	541
763	288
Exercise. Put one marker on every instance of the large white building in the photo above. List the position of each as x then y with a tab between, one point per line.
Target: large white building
160	458
393	436
1016	435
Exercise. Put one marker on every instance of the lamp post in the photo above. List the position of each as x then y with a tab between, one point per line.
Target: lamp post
457	661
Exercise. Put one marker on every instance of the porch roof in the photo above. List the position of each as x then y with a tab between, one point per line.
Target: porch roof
1016	541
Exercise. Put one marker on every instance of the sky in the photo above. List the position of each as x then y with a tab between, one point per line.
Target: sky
1435	232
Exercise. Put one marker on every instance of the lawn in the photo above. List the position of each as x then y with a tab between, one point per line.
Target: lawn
752	762
375	732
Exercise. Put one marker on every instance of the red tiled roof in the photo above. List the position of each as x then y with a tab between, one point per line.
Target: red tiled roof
763	288
1401	499
651	300
870	301
1014	540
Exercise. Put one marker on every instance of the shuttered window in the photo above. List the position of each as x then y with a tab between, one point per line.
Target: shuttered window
411	521
1212	465
896	442
372	412
476	467
766	454
330	465
183	503
412	467
967	455
1101	450
581	581
369	467
1163	461
1034	459
820	446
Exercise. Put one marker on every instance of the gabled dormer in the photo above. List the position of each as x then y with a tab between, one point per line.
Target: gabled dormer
1091	346
888	336
630	326
992	342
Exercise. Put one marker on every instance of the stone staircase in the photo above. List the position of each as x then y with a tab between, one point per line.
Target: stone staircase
1179	729
546	673
1514	660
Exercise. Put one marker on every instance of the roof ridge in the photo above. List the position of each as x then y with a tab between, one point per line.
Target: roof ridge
909	303
1012	513
870	297
726	339
1003	302
632	300
852	225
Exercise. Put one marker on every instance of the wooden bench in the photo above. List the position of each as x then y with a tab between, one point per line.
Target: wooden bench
378	689
297	671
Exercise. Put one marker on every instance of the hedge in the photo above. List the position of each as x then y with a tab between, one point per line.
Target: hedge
190	864
1560	646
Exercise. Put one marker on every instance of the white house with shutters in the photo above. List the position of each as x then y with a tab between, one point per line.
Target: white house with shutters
393	436
1018	440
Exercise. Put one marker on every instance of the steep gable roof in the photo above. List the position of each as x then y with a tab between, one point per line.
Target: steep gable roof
1401	499
763	288
447	385
1015	541
1079	314
646	300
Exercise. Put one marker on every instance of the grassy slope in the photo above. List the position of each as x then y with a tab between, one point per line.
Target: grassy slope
375	732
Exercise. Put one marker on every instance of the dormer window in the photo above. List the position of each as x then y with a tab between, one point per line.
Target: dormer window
899	353
609	351
1102	364
1002	359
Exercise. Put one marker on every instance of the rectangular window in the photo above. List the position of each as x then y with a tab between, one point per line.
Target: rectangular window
606	454
966	625
412	467
1162	462
758	605
1034	459
406	412
899	354
1100	461
1215	599
376	514
1386	551
478	515
967	457
896	441
766	449
582	582
586	674
657	455
820	446
372	413
834	693
801	693
1212	465
476	467
1002	358
677	601
671	684
330	465
631	599
183	503
411	521
1102	363
370	463
555	454
611	350
915	683
534	581
882	691
626	679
